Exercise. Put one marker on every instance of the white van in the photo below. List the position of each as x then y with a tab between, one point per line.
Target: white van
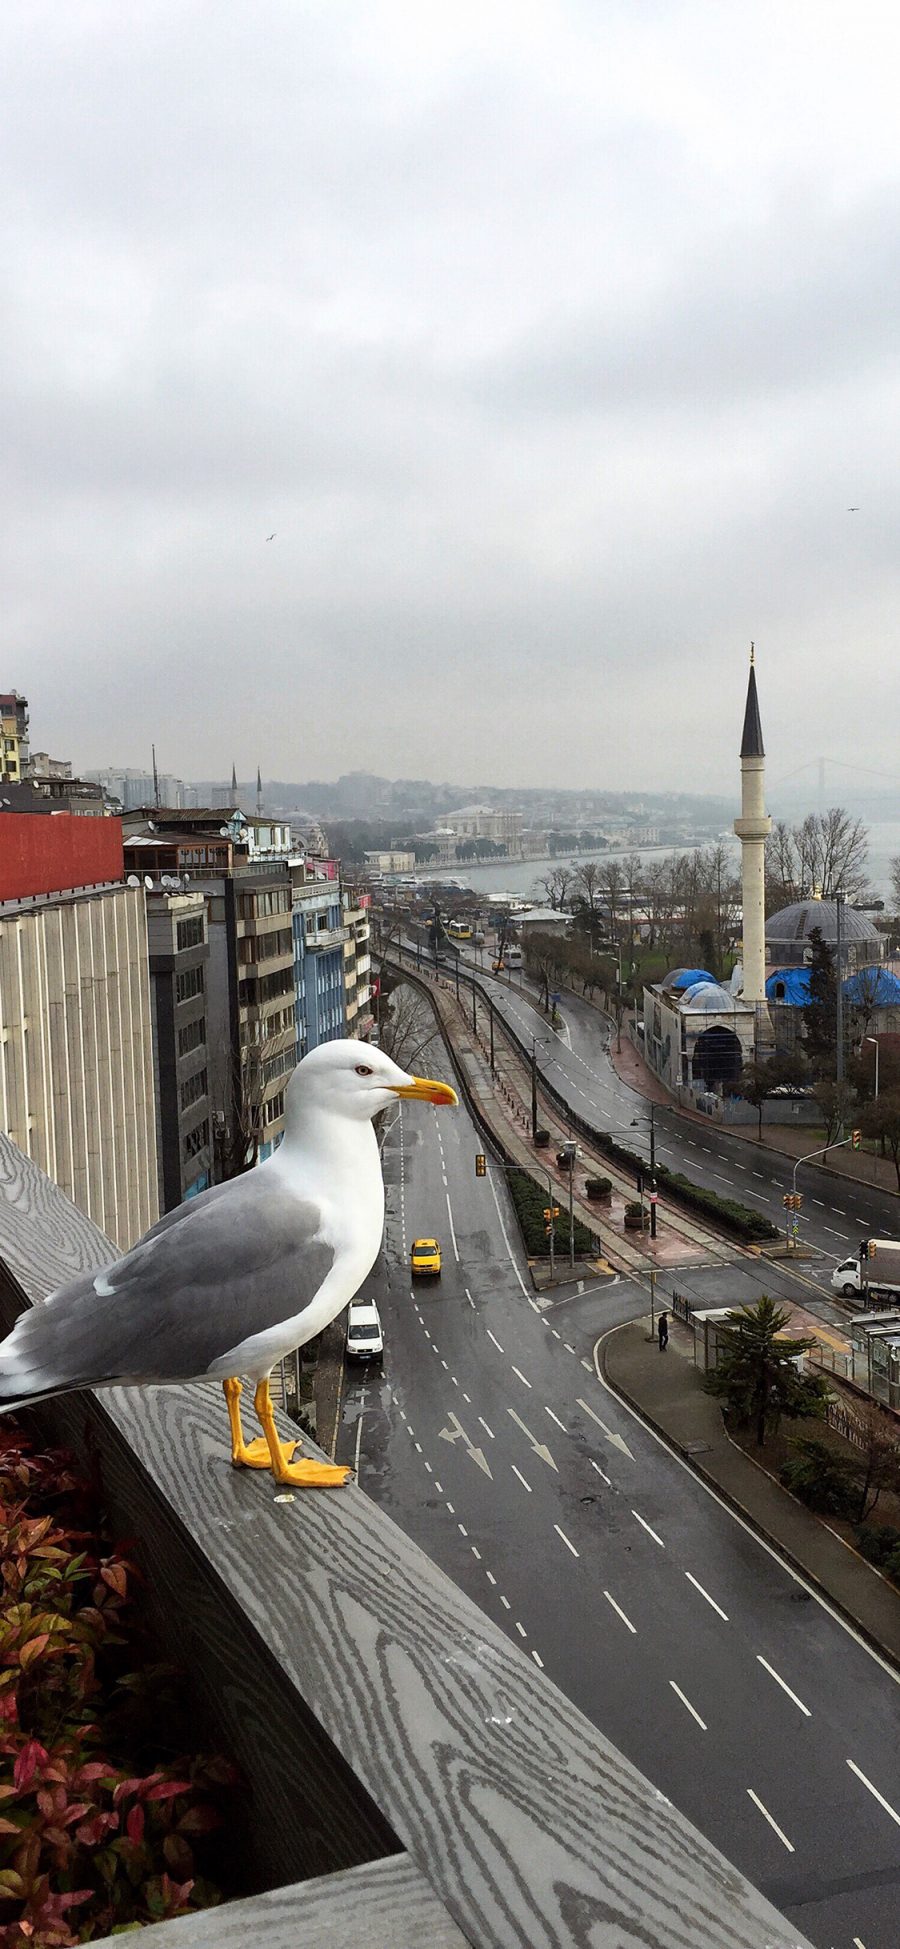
365	1340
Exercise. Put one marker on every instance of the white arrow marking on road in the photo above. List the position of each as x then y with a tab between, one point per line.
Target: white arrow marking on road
617	1440
538	1446
457	1433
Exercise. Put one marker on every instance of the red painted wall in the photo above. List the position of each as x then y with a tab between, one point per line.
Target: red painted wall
50	852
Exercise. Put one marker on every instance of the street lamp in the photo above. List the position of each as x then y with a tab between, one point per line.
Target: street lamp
874	1040
570	1151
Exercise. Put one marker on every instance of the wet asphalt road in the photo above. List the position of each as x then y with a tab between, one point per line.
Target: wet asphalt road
489	1438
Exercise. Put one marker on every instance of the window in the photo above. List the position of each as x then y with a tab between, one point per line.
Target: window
274	1108
194	1088
196	1139
191	982
192	1036
190	933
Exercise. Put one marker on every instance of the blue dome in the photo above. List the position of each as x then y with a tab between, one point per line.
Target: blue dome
680	978
873	988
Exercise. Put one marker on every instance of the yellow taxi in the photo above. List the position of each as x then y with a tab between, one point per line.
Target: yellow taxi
425	1258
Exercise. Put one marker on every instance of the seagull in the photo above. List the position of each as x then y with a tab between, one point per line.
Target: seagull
235	1279
271	537
852	510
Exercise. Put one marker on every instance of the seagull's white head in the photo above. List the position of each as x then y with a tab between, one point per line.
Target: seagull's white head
355	1080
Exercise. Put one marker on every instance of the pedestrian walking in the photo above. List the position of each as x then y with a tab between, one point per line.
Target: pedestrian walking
663	1331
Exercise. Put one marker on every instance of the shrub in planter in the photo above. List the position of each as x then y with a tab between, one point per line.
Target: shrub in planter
542	1139
821	1479
598	1188
636	1218
880	1543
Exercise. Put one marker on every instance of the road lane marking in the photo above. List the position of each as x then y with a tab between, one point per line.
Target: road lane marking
611	1436
569	1546
475	1551
772	1823
518	1472
874	1791
452	1231
493	1336
568	1346
646	1526
620	1613
506	1242
451	1509
692	1709
705	1593
596	1465
487	1430
439	1486
555	1417
445	1364
429	1468
785	1688
521	1629
359	1428
469	1297
491	1578
538	1660
525	1383
505	1602
462	1529
830	1228
586	1365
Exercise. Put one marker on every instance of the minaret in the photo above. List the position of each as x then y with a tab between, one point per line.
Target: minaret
233	785
753	828
258	793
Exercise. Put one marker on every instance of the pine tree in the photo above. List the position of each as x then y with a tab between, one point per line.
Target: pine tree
820	1012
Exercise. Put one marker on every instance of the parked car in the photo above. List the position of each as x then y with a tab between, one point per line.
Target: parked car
425	1259
365	1338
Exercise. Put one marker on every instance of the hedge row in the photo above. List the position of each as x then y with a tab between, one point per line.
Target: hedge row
530	1200
742	1220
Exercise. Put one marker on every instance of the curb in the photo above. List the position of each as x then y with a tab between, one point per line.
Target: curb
727	1496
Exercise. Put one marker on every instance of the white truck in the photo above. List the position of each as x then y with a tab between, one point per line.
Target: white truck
874	1275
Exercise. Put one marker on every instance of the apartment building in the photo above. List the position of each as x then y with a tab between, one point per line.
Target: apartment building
179	953
76	1046
319	933
357	962
13	736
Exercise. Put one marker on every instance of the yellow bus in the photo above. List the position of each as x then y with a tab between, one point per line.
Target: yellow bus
459	930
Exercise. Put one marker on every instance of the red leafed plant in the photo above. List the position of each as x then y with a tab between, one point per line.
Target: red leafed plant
94	1834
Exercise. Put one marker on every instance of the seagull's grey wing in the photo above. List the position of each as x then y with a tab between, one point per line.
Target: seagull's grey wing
180	1300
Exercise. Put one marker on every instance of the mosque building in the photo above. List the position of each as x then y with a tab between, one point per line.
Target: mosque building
698	1032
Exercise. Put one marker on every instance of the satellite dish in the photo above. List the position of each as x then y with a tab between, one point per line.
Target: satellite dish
186	880
167	880
132	880
148	882
224	832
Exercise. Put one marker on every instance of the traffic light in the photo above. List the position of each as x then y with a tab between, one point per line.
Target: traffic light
480	1164
855	1139
793	1200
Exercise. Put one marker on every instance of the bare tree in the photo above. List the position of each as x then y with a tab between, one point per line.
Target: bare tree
407	1028
556	885
825	854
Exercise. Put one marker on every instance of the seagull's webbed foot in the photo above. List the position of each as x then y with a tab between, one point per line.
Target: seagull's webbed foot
250	1454
301	1475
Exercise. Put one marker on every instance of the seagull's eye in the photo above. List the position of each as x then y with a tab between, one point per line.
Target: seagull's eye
362	1069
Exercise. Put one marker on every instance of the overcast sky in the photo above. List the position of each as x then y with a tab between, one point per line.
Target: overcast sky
553	341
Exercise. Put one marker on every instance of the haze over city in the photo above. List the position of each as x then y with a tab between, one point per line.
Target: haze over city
450	394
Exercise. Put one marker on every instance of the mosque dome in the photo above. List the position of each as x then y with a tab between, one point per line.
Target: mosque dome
682	978
788	932
709	997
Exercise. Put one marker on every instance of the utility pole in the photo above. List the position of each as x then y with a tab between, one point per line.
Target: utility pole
155	779
533	1091
474	1009
652	1174
491	1020
839	1051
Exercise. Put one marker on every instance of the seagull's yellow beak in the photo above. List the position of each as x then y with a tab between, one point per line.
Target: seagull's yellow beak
426	1091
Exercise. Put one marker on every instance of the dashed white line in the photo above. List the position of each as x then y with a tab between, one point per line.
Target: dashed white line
521	1629
444	1364
705	1593
596	1465
686	1702
556	1336
493	1336
491	1578
619	1612
429	1468
538	1660
874	1791
569	1546
525	1383
772	1823
568	1346
785	1688
475	1551
469	1297
418	1447
505	1602
646	1526
487	1430
462	1529
555	1417
466	1397
586	1365
438	1486
451	1509
518	1472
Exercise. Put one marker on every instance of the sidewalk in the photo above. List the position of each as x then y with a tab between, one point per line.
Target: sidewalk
667	1389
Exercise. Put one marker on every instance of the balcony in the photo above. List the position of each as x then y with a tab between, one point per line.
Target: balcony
414	1778
325	938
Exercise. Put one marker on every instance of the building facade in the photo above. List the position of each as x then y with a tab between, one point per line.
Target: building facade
319	934
179	954
357	963
76	1047
13	736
